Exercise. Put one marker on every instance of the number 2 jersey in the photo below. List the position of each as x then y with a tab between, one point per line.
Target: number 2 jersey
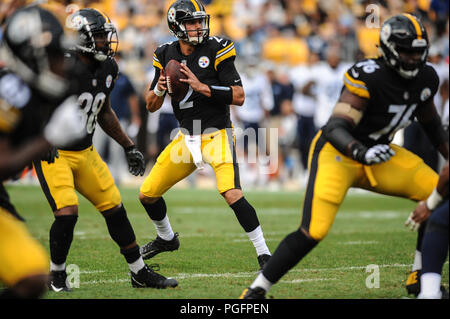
212	62
93	90
392	100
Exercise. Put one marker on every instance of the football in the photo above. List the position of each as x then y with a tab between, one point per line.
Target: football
176	89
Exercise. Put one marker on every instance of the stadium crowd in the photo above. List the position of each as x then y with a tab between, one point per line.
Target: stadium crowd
297	50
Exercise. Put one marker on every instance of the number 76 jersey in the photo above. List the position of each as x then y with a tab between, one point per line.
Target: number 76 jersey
94	88
392	100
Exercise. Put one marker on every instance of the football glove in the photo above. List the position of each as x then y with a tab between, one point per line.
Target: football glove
411	224
67	124
374	155
50	155
135	159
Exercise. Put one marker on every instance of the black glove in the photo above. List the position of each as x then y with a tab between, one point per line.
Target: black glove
50	155
135	159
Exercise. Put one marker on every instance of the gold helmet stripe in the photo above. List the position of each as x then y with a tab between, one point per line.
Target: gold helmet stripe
104	16
416	24
197	7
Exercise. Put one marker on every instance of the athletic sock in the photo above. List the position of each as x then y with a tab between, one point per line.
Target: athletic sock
262	282
163	228
257	238
158	214
430	286
55	267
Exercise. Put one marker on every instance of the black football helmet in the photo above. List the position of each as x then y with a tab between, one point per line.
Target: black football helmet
98	36
404	33
33	47
184	10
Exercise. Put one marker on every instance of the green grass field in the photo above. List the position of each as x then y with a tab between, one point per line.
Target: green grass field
216	259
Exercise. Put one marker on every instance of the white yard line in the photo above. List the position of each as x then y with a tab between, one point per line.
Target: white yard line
253	274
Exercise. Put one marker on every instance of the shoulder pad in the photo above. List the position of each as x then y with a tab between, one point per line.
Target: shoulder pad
357	77
159	53
224	49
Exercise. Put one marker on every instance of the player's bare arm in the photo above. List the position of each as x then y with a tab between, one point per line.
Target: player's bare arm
153	102
12	161
109	122
431	123
238	95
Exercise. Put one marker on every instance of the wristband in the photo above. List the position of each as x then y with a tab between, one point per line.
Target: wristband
158	92
433	200
222	93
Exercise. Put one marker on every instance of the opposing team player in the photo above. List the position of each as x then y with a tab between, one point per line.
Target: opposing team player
79	167
354	148
206	133
435	239
35	113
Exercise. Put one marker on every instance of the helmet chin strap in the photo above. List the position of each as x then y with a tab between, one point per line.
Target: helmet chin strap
99	56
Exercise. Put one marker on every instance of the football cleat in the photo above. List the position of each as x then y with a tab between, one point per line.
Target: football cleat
262	261
148	278
255	293
159	245
58	281
413	283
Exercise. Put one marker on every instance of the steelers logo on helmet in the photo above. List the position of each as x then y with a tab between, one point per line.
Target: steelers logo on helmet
203	62
425	94
171	14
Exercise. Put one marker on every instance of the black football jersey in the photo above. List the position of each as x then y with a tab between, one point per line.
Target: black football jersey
392	100
23	114
93	90
23	111
208	63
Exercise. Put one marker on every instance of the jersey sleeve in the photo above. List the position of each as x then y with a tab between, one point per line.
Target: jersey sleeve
158	57
224	51
359	77
432	80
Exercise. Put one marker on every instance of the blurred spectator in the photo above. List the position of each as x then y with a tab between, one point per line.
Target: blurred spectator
329	87
305	79
257	105
125	103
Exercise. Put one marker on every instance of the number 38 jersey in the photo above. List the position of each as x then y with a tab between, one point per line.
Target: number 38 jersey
94	88
212	62
392	100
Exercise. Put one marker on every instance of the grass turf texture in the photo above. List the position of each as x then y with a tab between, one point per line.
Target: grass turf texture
216	259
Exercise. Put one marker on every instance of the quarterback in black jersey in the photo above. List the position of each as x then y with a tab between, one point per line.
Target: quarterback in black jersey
80	168
206	132
354	148
34	109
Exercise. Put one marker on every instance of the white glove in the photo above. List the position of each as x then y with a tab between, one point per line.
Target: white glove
378	154
411	224
67	124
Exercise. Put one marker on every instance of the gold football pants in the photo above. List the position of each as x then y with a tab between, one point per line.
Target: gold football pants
175	163
332	174
21	256
83	171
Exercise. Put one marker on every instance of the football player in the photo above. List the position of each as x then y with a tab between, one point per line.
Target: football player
206	133
435	240
34	114
79	167
354	148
